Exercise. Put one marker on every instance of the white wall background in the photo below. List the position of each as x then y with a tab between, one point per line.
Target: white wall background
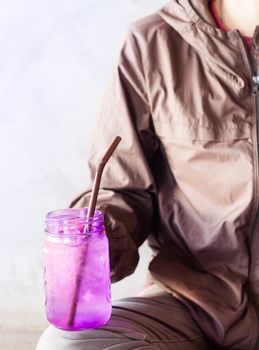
55	59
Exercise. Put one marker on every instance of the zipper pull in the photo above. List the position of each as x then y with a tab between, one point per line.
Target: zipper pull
256	85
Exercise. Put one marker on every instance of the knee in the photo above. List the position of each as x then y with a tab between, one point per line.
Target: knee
55	339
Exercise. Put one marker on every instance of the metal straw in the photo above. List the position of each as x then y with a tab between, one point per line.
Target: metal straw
90	214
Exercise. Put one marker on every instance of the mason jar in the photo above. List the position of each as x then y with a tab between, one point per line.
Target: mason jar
76	270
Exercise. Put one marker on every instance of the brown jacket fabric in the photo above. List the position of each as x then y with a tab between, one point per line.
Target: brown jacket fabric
185	175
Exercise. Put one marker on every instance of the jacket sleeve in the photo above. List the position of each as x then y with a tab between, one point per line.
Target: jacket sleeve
127	187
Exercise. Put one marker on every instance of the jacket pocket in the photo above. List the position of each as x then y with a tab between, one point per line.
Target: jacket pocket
210	133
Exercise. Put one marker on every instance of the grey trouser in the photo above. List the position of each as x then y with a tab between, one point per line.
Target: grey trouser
153	320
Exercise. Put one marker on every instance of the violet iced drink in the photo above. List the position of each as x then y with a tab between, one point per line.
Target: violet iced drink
72	253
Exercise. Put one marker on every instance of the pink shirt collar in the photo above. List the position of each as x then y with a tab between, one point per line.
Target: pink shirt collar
222	26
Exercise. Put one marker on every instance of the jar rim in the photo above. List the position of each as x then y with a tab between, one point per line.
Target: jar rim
81	211
59	222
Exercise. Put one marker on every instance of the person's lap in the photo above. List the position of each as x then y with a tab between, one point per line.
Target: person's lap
153	321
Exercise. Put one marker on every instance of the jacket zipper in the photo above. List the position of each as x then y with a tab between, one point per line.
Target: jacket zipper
252	238
253	230
256	96
255	93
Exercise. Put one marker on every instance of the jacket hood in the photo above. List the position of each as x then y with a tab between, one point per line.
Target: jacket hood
193	21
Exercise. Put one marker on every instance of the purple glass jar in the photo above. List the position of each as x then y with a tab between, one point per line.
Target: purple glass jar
76	270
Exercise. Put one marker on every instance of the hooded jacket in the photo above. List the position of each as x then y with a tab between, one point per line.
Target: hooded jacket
184	99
